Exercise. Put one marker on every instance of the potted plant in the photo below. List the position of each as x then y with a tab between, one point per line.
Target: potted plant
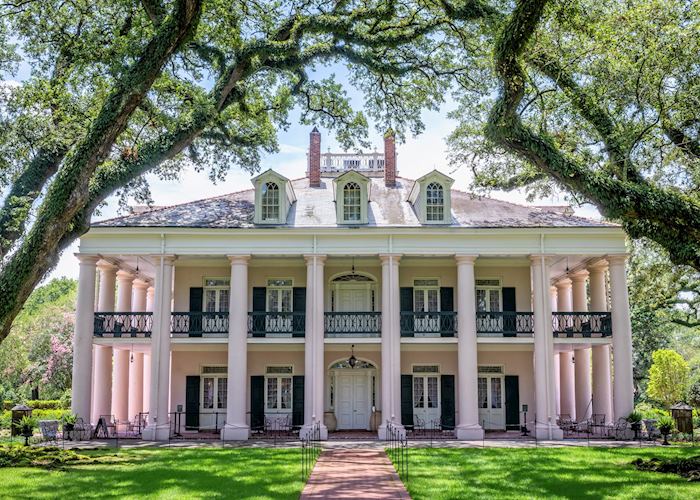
26	427
635	421
666	425
69	421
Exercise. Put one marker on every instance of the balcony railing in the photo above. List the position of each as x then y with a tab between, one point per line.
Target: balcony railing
276	324
353	324
581	324
504	324
199	324
431	324
117	324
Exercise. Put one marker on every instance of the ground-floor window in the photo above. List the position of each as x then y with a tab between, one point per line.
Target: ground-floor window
278	388
490	385
214	387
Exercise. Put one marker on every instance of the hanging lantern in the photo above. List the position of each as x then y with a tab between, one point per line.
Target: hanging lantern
352	360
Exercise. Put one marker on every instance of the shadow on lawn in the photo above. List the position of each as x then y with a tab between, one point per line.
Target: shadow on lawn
551	472
243	473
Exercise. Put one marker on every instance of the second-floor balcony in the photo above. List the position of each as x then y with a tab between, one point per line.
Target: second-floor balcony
429	324
353	324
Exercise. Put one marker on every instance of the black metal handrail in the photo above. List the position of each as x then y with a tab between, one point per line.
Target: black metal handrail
310	450
276	324
123	324
581	324
397	449
353	324
196	424
429	324
199	324
504	324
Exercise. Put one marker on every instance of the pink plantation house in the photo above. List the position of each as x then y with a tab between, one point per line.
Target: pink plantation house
351	298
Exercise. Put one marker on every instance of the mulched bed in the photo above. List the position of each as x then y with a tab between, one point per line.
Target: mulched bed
686	467
48	457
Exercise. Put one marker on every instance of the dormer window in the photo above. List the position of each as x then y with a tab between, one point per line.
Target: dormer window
352	199
270	202
431	200
434	203
274	197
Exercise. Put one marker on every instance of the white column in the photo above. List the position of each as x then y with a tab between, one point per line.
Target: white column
103	382
150	298
391	343
567	384
120	376
545	411
135	385
146	382
623	385
158	428
138	298
82	340
602	378
467	373
553	296
314	363
236	428
108	276
582	357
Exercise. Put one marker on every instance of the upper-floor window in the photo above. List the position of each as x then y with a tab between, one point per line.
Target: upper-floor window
279	295
488	295
434	203
270	200
216	294
426	295
352	202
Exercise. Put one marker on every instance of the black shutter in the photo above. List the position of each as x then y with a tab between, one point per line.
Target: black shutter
447	405
509	315
257	402
298	400
406	320
196	306
191	402
406	401
259	298
512	402
299	307
447	323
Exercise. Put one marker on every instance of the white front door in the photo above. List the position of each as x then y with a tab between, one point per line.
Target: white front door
492	414
352	407
426	400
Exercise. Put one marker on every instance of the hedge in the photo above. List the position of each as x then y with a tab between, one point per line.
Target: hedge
37	404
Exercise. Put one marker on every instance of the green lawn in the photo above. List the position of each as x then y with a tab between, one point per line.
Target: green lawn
166	473
441	473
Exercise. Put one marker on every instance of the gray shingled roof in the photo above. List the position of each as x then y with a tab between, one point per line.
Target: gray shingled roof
315	208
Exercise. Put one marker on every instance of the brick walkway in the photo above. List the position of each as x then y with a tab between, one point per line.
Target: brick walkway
355	473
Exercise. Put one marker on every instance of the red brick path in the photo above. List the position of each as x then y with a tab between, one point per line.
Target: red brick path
354	474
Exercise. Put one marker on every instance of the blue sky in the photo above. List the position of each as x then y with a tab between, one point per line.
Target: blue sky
416	156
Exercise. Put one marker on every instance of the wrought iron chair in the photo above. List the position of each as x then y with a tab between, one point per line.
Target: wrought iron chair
566	423
619	430
418	425
81	430
598	423
49	430
651	430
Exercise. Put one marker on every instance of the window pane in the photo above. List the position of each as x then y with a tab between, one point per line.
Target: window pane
273	301
418	392
272	393
210	301
419	300
222	392
352	210
270	200
495	393
286	300
480	300
483	396
286	394
208	393
494	301
435	202
224	300
432	392
432	300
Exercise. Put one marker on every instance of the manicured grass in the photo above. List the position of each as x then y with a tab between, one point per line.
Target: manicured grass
441	473
166	473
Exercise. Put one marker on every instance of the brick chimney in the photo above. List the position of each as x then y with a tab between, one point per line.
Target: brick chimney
389	159
315	158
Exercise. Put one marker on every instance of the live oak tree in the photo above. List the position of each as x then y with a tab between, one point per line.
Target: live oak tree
121	88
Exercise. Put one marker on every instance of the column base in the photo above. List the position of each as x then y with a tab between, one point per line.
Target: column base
235	433
306	429
156	432
548	432
472	432
383	435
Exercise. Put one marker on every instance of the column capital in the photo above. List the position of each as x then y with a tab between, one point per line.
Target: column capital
87	259
389	257
465	258
536	258
563	283
123	275
141	283
599	266
239	258
103	265
579	276
310	258
617	258
553	289
167	258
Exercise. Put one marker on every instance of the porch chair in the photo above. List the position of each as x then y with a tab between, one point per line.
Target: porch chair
651	429
81	430
598	423
110	426
49	430
566	423
619	430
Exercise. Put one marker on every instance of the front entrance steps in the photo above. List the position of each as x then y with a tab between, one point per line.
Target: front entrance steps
352	435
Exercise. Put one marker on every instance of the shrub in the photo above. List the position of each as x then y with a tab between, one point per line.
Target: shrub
686	467
45	456
650	412
45	404
665	425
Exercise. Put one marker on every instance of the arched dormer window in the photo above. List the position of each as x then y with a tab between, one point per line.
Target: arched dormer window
352	202
434	203
270	202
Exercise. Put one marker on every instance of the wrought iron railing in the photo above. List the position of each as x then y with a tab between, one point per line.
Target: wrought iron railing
429	324
504	324
118	324
199	324
276	324
397	449
353	324
196	424
581	324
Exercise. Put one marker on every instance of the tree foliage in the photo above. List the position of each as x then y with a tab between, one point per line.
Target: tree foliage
668	377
